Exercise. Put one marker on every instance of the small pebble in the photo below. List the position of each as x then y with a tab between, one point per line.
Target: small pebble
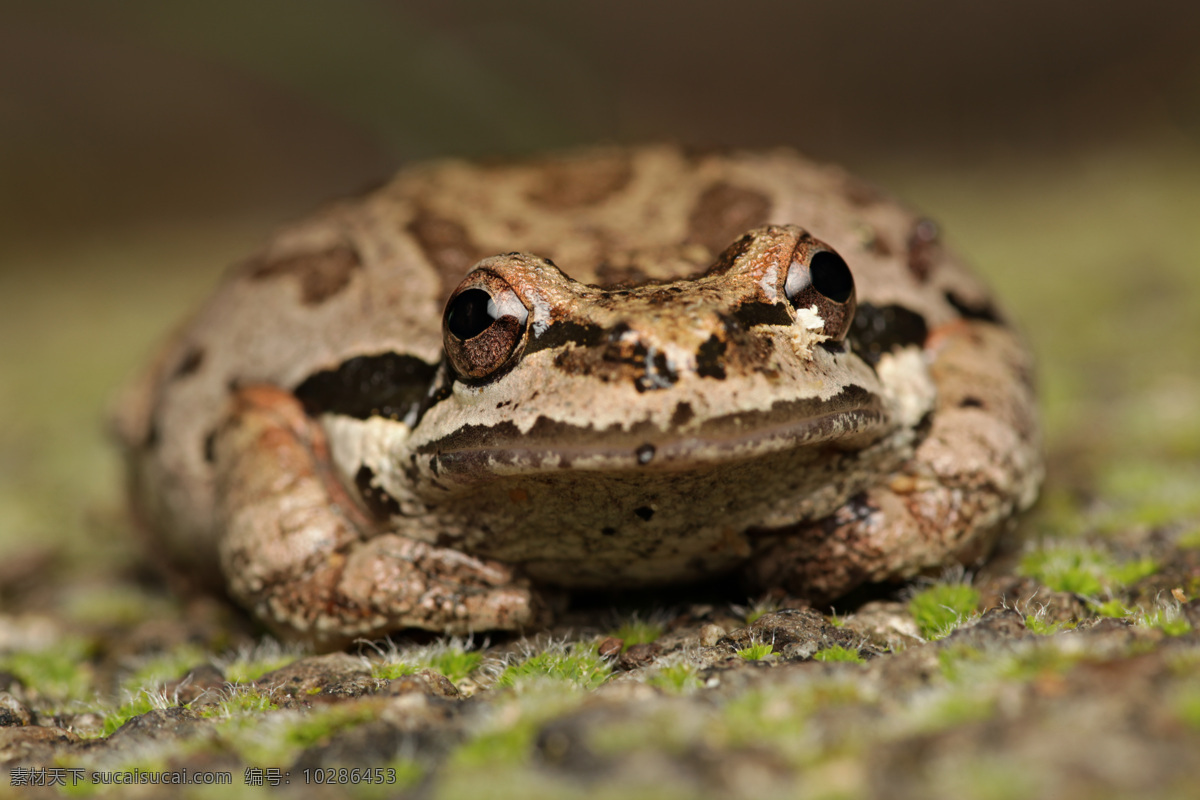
710	634
610	647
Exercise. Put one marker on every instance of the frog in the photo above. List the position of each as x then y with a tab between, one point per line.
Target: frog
454	400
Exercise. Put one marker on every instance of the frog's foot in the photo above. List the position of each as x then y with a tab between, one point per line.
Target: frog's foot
300	554
977	466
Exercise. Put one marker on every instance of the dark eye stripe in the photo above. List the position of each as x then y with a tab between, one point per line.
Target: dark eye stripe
752	313
382	385
566	332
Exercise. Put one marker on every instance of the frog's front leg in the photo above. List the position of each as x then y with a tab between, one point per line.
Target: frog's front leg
300	554
977	466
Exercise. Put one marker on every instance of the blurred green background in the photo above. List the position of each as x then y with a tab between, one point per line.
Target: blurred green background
144	146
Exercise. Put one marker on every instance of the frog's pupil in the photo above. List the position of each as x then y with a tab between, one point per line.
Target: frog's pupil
470	314
831	277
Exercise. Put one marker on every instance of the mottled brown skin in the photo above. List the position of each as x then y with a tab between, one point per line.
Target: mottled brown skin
666	412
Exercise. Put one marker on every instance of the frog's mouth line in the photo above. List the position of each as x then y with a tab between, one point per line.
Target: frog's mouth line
851	420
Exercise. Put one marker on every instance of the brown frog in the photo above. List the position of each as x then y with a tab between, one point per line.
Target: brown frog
429	406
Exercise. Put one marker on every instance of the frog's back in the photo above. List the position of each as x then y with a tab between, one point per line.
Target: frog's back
368	277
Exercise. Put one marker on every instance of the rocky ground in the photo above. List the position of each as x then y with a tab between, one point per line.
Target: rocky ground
1017	682
1067	666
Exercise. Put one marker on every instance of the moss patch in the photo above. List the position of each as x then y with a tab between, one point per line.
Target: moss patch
140	704
756	652
940	608
637	631
1037	623
680	677
839	653
1168	620
248	665
391	671
238	702
755	612
454	658
456	663
577	664
1087	571
62	673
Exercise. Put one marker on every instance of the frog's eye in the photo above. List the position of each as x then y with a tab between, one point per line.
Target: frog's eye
821	278
484	326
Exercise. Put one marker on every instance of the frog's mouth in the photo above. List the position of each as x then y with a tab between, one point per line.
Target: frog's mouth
851	420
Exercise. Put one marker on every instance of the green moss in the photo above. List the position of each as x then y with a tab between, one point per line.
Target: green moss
238	703
452	658
1065	569
140	704
1111	608
1042	627
393	670
637	632
676	678
250	671
759	609
249	666
578	665
1169	621
456	663
839	653
165	667
61	673
1082	570
940	608
757	651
